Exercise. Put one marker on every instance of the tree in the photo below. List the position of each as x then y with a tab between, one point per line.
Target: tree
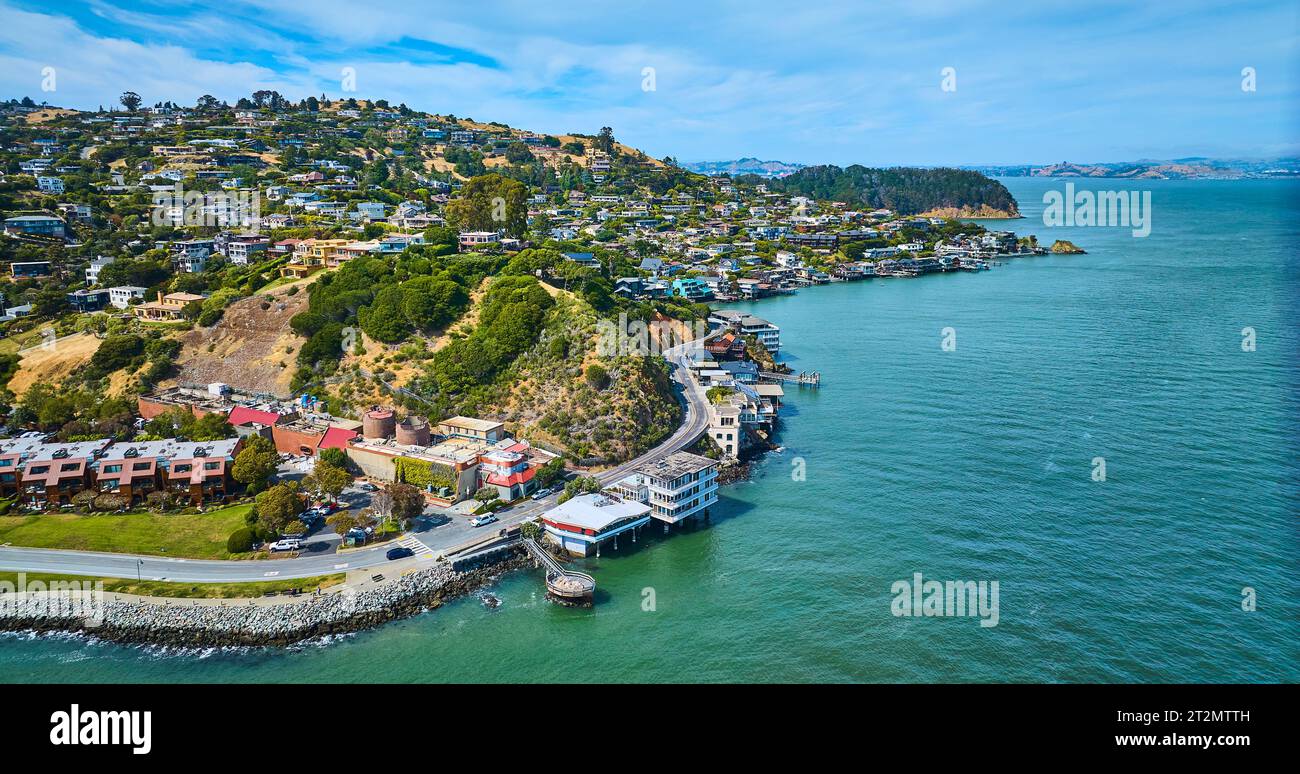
336	457
489	203
240	541
130	100
278	506
605	140
408	502
255	463
578	486
518	153
344	521
550	471
327	481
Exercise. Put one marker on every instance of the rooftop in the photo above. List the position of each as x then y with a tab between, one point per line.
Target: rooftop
676	465
596	511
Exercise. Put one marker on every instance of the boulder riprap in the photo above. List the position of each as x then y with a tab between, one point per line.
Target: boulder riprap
185	623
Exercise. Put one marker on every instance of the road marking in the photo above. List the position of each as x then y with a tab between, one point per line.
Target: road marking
270	574
343	566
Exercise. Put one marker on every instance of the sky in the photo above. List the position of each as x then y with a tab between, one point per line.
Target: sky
877	83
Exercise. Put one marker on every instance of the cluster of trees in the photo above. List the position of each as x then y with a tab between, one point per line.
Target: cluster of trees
181	423
905	190
73	414
389	298
511	317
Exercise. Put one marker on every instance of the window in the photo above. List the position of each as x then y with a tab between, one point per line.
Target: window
141	466
6	463
184	468
40	469
112	468
211	465
69	467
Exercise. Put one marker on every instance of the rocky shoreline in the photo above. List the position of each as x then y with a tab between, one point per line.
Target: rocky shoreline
178	624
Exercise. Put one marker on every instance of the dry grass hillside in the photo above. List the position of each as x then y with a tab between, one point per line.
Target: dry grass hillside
52	365
251	348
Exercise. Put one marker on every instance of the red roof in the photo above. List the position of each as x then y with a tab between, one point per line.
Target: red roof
522	477
242	415
337	438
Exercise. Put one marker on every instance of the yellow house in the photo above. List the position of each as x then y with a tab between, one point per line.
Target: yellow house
167	307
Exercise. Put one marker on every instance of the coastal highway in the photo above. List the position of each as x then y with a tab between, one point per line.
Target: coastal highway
437	540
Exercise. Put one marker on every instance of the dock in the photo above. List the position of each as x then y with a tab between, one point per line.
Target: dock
803	378
567	587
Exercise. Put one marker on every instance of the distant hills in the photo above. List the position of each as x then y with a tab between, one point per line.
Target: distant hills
1190	168
746	166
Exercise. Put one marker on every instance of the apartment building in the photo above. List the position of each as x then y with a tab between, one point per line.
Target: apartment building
676	487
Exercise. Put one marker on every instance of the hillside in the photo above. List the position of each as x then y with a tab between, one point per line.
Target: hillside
605	420
905	190
251	348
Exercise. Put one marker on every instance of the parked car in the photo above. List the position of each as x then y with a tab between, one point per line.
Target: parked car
287	544
366	486
541	494
479	521
399	552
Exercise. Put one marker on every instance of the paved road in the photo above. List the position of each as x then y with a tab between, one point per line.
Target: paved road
436	534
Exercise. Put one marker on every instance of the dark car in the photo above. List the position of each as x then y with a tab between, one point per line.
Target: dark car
400	552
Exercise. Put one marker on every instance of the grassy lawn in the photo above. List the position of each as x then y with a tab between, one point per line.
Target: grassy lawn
191	535
189	590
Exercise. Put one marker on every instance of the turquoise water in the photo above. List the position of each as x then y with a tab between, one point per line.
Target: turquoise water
974	464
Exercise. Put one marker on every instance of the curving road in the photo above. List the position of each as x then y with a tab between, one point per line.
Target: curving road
439	540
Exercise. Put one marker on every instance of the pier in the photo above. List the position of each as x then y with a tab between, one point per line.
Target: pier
567	587
803	378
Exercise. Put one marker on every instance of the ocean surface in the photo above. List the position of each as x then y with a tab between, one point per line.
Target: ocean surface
974	464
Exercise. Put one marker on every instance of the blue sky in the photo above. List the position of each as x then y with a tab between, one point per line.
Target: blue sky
847	82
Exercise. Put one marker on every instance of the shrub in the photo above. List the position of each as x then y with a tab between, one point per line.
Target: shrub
597	376
240	541
110	502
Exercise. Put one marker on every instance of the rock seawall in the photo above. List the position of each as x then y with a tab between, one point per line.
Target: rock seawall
178	624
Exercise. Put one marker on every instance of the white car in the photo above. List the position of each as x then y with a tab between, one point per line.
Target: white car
479	521
289	544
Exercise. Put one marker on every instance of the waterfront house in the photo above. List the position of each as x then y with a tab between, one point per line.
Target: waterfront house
676	487
767	334
581	524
